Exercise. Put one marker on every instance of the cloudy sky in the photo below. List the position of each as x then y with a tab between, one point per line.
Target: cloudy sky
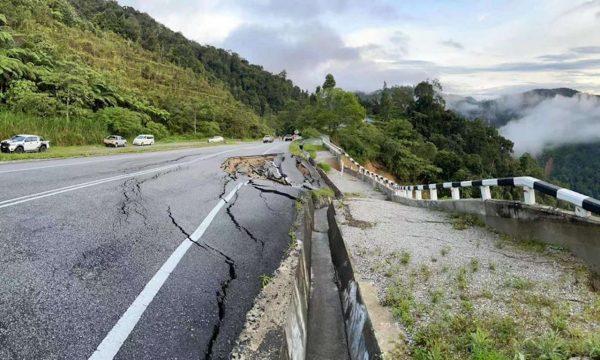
483	48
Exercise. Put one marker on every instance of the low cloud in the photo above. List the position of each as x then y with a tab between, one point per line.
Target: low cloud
453	44
554	122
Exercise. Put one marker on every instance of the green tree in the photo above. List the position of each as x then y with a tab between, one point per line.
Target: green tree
385	103
122	121
329	82
337	108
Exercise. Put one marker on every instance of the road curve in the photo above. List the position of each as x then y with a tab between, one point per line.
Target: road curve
154	255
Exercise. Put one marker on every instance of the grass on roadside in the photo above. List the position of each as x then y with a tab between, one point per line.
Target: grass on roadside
265	280
324	166
56	152
322	193
465	221
311	149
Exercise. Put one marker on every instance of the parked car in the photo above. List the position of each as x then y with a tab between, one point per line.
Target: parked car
24	143
115	141
268	139
142	140
288	137
216	139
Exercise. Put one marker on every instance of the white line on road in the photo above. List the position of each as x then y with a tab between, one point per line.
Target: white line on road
112	157
52	166
47	193
110	346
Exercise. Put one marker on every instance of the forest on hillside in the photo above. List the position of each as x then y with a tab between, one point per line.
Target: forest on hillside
251	84
408	132
74	71
74	81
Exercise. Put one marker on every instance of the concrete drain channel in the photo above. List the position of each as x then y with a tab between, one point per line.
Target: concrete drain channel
312	308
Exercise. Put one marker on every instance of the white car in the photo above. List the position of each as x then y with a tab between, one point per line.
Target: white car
24	143
143	140
216	139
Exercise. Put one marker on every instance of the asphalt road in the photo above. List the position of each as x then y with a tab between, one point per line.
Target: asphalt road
96	257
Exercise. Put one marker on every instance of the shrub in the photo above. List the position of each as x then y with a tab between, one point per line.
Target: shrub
158	130
310	133
122	121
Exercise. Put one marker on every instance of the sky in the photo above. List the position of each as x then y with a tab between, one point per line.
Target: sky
476	48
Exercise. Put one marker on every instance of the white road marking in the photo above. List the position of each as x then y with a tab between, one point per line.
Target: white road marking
51	166
47	193
110	346
108	158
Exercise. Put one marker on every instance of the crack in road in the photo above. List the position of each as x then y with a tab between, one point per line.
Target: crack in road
228	178
266	202
131	203
167	161
133	197
221	294
263	189
241	227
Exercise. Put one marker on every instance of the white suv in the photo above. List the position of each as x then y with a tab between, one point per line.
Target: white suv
24	143
142	140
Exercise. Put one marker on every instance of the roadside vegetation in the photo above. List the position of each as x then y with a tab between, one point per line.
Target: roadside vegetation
531	302
70	77
324	166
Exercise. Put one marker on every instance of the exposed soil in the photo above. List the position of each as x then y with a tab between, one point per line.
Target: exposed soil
256	167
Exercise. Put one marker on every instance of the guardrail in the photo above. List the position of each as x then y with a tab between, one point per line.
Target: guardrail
584	205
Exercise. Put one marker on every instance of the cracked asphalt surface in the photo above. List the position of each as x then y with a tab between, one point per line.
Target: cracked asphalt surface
73	262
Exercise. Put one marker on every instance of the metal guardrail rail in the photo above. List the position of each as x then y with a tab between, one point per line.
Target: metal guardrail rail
584	205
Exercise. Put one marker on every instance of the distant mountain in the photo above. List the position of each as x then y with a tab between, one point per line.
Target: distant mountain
561	127
498	112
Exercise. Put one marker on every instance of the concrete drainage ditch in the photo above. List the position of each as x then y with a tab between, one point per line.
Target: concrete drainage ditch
312	308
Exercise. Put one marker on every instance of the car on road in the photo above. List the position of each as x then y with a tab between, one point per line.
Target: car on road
268	139
288	137
216	139
24	143
142	140
115	141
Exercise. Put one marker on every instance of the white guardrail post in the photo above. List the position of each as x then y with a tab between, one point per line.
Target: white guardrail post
418	195
432	192
486	193
529	195
455	193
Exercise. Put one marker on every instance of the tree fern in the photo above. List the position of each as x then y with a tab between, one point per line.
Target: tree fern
6	39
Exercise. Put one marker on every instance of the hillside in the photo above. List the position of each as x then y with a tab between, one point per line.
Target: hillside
70	80
412	136
262	91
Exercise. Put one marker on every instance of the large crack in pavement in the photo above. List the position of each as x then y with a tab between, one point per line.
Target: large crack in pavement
133	202
271	190
221	294
239	226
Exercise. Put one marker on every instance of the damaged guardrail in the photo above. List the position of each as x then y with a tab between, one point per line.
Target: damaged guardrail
584	205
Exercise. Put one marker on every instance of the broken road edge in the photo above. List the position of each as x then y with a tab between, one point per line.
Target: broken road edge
277	325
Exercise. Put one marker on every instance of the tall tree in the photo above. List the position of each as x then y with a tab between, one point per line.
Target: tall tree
329	82
386	103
